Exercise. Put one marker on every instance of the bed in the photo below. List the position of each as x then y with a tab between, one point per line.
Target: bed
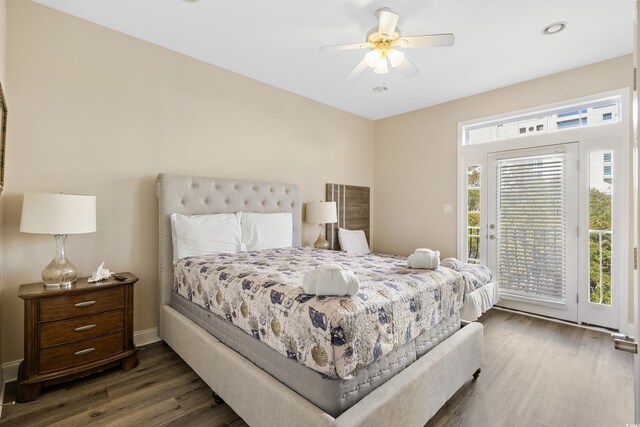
406	383
479	297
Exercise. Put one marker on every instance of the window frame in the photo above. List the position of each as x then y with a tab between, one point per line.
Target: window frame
564	110
590	138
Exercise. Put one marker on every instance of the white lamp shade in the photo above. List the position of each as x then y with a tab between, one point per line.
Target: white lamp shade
321	212
45	213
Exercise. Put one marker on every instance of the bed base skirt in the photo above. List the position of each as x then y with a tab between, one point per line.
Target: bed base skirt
410	398
479	301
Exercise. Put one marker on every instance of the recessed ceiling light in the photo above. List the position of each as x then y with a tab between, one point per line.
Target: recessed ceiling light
380	89
554	28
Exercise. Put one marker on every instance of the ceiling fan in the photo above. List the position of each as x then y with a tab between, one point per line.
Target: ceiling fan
383	41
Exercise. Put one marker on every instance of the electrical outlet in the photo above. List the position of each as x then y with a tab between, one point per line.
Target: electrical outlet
447	208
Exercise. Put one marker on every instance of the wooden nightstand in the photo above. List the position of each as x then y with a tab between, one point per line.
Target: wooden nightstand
73	332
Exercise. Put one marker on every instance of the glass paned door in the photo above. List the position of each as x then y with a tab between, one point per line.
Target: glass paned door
532	231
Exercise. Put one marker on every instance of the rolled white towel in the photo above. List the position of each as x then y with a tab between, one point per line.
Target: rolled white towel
452	263
424	251
424	258
330	279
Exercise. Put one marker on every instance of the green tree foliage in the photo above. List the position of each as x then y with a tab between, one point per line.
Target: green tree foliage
474	200
473	176
599	210
599	219
473	207
474	219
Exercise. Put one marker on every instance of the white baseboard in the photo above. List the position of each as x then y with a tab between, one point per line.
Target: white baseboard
10	371
146	336
140	338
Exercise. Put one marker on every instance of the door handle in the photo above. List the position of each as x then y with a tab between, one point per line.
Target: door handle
624	343
492	237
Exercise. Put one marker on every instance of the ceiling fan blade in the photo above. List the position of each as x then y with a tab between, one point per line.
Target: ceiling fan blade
430	40
357	70
407	68
343	47
387	22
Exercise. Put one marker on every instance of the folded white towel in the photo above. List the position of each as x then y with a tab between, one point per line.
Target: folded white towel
424	258
330	279
452	263
424	251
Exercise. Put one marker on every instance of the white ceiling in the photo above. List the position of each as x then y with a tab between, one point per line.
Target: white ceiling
498	42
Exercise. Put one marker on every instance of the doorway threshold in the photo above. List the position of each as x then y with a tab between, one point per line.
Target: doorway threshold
564	322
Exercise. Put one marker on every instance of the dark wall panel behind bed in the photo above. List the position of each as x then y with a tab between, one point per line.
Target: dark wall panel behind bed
353	210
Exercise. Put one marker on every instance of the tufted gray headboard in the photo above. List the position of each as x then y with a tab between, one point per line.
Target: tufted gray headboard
192	195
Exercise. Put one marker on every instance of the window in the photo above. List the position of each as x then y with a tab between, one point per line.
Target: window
571	123
593	113
572	113
473	214
600	208
514	171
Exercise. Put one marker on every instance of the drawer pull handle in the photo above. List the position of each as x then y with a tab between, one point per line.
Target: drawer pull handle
84	328
85	303
83	352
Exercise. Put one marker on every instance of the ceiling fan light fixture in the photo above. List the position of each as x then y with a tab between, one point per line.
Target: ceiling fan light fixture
395	57
373	58
382	67
380	42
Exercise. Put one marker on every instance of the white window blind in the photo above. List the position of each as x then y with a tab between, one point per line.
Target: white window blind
531	227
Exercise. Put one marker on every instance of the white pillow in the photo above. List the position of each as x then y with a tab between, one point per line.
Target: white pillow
266	230
195	235
353	241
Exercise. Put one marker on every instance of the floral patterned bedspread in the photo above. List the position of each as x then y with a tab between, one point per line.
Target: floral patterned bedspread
261	293
475	276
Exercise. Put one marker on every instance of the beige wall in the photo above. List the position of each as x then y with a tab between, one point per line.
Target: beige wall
94	111
415	157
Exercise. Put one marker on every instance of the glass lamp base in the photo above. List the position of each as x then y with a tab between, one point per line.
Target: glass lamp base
59	273
321	242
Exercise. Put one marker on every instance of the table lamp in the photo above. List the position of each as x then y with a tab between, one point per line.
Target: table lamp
321	213
58	214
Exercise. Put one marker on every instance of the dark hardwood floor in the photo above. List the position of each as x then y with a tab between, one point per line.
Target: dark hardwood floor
542	373
535	373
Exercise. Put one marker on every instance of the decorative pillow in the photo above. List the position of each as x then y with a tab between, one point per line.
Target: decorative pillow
266	230
195	235
353	241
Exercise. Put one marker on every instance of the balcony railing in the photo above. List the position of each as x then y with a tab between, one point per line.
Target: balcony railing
473	245
602	260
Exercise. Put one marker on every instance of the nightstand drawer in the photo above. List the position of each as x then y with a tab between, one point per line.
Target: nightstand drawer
66	356
66	307
81	328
